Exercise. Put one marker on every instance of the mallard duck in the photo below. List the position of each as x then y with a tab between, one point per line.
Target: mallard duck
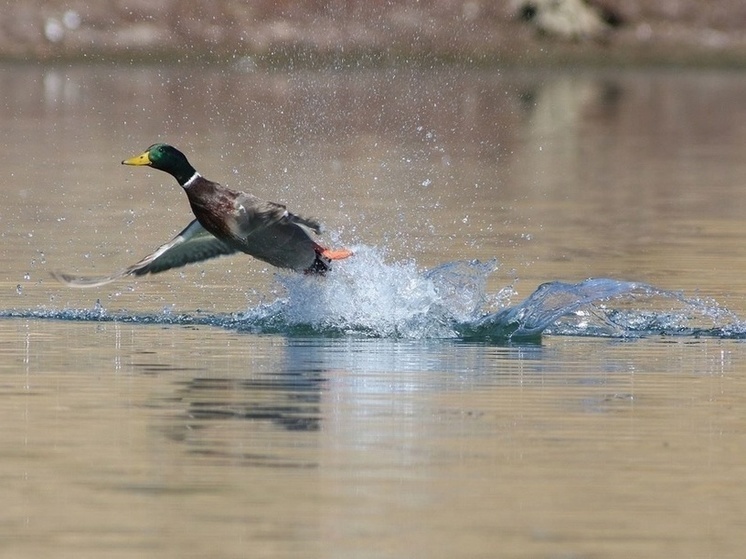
228	221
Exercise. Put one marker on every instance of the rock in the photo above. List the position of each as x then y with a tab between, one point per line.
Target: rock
567	19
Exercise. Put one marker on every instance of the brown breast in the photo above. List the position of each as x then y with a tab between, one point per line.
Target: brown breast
214	207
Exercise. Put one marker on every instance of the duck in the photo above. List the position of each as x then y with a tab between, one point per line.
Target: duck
226	222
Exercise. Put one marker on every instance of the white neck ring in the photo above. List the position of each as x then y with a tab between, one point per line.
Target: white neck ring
191	180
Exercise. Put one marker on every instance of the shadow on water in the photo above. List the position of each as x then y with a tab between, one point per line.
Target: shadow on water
367	297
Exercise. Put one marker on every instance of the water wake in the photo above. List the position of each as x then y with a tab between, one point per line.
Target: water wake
367	297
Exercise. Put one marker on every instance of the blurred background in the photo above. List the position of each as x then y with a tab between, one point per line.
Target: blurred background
311	31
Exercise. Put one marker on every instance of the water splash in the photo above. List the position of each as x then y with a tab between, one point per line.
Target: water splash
367	297
603	307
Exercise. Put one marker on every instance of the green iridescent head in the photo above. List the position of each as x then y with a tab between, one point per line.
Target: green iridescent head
164	158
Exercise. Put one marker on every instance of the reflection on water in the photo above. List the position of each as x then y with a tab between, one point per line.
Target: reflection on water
166	435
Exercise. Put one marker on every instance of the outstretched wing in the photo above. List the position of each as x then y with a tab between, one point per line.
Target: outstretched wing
193	244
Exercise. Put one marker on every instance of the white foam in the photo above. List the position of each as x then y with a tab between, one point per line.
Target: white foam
365	295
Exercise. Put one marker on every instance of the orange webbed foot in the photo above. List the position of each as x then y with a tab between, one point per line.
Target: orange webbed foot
336	254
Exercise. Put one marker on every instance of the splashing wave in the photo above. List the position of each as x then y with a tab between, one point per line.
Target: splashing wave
366	296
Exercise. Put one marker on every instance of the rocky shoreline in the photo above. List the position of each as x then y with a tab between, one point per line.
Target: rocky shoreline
528	32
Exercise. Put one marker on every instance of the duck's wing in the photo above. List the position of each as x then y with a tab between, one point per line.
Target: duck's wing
256	214
304	222
193	244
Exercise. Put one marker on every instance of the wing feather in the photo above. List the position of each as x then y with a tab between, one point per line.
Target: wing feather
259	214
193	244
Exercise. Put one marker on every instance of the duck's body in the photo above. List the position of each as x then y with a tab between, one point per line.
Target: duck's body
264	230
228	221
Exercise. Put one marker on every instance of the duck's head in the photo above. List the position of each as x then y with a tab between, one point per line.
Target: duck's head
164	158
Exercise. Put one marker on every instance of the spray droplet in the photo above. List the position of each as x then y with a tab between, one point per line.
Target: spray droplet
71	19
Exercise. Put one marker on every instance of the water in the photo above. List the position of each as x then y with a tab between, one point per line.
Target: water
460	388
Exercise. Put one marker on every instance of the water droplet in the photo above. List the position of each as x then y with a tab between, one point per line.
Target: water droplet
71	19
53	30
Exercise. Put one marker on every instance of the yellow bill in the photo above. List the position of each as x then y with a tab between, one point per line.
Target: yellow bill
142	159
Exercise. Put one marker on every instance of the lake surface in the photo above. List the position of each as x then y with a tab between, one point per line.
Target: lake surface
227	410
